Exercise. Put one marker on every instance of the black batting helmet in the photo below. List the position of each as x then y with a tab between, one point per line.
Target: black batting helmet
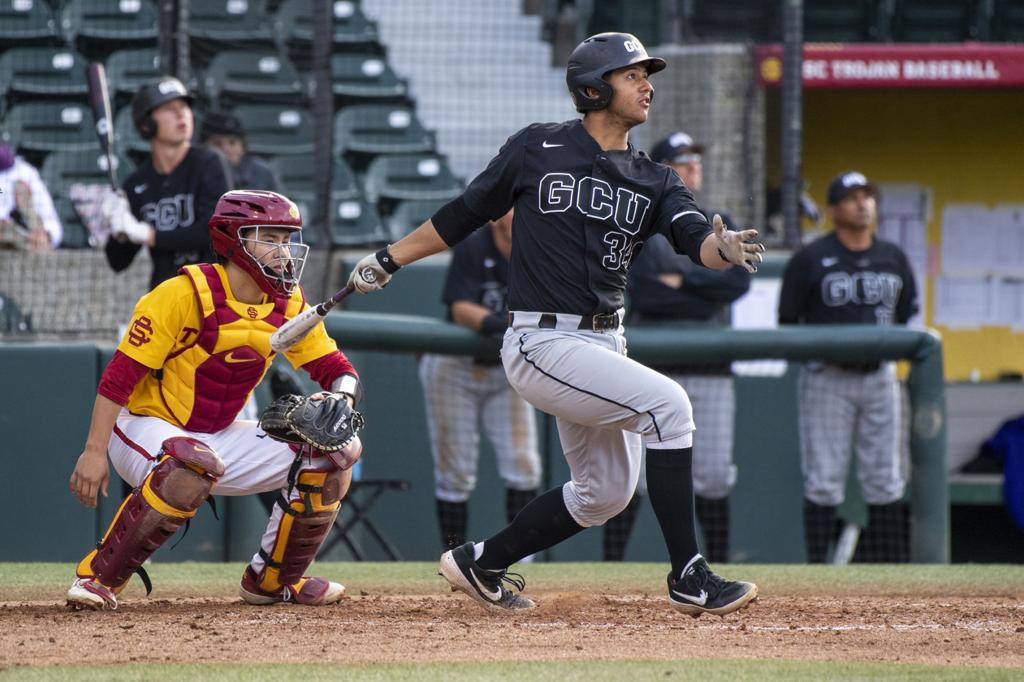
150	96
595	57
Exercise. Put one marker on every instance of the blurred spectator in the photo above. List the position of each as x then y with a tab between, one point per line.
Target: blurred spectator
667	289
28	218
170	197
850	276
463	392
224	133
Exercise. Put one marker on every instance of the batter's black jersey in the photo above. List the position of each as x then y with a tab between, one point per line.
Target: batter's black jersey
179	205
478	273
581	214
827	283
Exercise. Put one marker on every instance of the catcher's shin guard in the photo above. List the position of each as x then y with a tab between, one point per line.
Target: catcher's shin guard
305	523
169	496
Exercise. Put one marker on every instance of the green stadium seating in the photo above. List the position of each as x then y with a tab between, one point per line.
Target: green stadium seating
98	27
63	169
380	129
408	215
932	21
76	235
365	76
276	130
294	23
354	224
733	20
50	126
1008	21
31	72
841	21
410	176
128	69
296	174
25	24
217	25
252	76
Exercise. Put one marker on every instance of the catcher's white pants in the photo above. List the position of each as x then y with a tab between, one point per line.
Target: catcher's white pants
604	403
460	395
253	462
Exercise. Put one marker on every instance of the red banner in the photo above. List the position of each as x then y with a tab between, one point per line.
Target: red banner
836	65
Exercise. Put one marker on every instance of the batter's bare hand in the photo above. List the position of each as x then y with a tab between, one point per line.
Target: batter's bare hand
90	477
737	247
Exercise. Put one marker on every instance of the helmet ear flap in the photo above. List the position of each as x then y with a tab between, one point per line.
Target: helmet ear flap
147	127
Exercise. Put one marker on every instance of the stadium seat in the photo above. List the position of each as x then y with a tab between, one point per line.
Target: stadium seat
1008	21
97	27
365	76
296	175
217	25
932	21
293	24
841	21
354	224
380	129
50	126
275	130
408	215
410	176
733	20
76	235
23	24
63	169
252	76
29	72
128	69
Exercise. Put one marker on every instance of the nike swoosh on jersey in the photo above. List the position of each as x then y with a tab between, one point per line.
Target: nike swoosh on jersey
829	262
493	596
139	189
549	146
699	600
230	358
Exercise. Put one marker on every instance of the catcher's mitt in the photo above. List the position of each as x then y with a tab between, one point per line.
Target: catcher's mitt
323	420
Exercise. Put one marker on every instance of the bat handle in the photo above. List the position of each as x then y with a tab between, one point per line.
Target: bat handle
326	306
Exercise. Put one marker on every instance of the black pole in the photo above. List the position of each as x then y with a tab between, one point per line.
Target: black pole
167	25
792	118
323	120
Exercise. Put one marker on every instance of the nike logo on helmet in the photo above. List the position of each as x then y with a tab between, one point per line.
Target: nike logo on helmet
549	146
230	358
699	600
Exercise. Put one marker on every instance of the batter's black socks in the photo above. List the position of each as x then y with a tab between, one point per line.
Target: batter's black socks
713	516
515	500
820	530
542	523
453	517
670	487
617	530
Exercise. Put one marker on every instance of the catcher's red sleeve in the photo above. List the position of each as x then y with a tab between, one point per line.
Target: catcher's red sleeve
119	378
325	369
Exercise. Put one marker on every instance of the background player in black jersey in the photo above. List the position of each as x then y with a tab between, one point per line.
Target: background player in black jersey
850	276
170	197
667	289
464	393
585	201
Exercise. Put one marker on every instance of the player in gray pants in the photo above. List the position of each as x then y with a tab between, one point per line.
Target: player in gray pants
585	201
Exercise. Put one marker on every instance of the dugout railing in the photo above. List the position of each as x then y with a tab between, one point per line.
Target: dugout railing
928	490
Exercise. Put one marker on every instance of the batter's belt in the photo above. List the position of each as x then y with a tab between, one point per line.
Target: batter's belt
564	321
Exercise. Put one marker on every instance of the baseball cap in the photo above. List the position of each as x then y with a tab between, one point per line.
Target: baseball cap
673	146
221	123
844	183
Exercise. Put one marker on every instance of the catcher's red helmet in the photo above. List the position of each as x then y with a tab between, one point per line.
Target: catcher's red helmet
234	228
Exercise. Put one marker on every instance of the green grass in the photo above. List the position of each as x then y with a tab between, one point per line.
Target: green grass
591	671
43	581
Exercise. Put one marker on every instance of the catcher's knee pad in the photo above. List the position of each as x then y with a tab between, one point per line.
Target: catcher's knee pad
167	498
305	523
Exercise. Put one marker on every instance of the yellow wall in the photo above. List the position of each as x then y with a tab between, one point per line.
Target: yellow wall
965	145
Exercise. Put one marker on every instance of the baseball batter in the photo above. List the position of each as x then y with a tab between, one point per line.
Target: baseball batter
850	276
585	201
167	403
461	393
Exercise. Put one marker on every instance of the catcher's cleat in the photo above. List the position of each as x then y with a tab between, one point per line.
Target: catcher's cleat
458	567
700	591
87	593
310	591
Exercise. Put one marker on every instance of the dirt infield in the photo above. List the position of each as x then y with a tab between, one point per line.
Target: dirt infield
959	630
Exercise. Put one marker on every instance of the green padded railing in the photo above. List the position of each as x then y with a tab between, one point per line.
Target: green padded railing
928	484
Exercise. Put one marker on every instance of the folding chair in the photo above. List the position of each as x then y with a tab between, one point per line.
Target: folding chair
361	505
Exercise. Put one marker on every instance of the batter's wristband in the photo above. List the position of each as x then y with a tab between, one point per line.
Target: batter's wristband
387	262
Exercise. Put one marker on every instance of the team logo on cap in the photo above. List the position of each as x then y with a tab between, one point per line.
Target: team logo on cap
680	140
293	211
169	87
854	180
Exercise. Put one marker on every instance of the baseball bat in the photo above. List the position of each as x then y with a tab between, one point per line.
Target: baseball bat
296	329
99	102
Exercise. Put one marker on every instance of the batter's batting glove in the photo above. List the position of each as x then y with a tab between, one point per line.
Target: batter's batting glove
117	215
737	248
373	272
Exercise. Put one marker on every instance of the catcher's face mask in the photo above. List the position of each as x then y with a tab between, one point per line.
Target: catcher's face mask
278	252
